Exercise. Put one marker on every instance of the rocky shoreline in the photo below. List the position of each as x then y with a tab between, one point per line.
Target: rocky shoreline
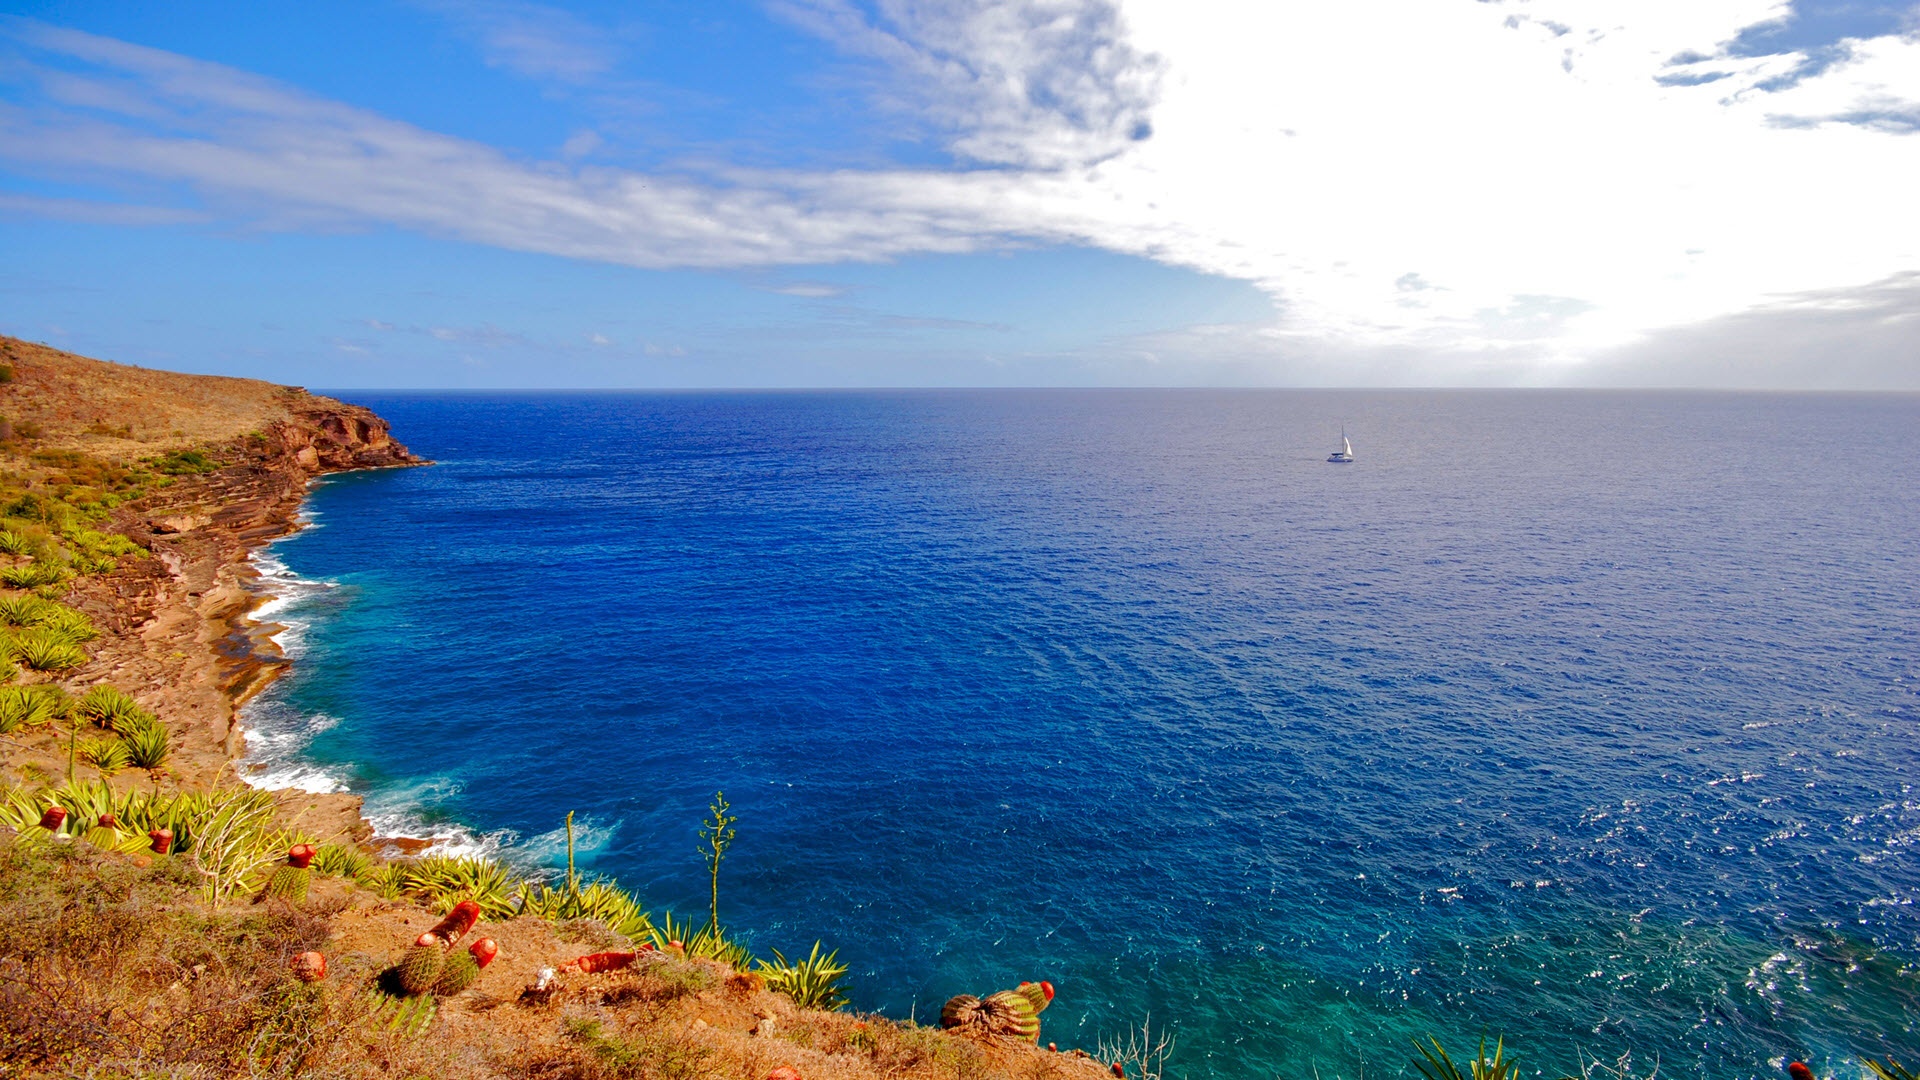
178	631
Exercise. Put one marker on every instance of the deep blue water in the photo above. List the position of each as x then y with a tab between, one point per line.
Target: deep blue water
1582	718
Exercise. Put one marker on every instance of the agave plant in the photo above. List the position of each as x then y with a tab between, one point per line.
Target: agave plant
108	754
1439	1065
816	982
708	942
1890	1070
385	880
443	881
235	839
7	671
13	543
70	623
601	900
44	650
113	709
147	744
25	610
33	575
339	860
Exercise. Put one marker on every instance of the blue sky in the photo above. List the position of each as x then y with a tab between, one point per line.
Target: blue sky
935	192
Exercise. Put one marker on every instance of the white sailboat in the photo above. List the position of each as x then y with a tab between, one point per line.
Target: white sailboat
1344	455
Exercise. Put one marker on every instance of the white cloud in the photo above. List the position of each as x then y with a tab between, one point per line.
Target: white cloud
1436	191
1034	83
533	40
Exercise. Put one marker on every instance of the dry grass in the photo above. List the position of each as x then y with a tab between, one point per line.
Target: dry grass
111	966
117	411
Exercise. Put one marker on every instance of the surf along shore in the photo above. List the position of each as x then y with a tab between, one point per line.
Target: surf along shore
175	631
262	934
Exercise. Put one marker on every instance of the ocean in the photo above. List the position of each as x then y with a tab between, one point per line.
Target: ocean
1581	719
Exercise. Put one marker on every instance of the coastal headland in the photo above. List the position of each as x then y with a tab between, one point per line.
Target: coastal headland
176	632
159	916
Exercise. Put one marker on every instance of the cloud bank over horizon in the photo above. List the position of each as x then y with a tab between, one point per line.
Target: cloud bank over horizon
1505	192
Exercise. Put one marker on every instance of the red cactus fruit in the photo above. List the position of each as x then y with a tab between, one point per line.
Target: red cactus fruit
1117	1070
52	818
108	821
300	856
1799	1071
483	951
162	841
309	967
1047	989
594	963
784	1072
458	922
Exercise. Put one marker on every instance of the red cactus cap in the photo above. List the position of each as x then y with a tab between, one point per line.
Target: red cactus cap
1047	989
300	856
784	1072
162	841
458	921
483	951
108	821
53	817
1799	1071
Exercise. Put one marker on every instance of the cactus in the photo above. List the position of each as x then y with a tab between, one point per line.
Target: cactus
420	968
457	973
291	880
1038	994
458	921
52	819
1010	1013
1005	1013
162	840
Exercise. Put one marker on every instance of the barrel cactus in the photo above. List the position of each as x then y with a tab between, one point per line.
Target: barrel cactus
290	880
456	973
420	968
1008	1012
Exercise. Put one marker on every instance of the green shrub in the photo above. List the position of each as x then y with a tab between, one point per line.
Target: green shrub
147	744
185	463
13	543
6	373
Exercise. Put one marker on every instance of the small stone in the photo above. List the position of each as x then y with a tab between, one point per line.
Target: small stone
309	967
764	1028
699	1023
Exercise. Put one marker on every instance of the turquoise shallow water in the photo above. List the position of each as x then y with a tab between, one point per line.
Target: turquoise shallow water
1582	718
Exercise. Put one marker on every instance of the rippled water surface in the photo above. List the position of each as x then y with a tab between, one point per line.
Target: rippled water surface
1584	718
